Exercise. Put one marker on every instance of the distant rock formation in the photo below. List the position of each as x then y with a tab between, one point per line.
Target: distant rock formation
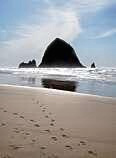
30	64
60	54
93	65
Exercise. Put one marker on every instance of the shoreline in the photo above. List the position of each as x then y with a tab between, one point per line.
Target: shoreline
54	90
40	122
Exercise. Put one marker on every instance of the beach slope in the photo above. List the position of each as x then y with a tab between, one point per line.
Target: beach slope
44	123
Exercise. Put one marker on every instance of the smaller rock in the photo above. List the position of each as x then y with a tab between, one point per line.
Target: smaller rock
93	65
30	64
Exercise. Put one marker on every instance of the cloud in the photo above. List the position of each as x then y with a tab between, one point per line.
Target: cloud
92	5
58	19
105	34
32	39
82	6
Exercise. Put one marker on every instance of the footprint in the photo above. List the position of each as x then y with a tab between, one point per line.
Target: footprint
92	153
15	147
36	125
65	136
33	140
62	129
46	116
43	147
32	120
22	117
15	113
27	133
51	124
15	128
82	143
68	147
5	111
47	130
52	120
54	138
3	124
16	131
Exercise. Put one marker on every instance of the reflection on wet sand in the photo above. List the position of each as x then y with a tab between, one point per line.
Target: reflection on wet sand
58	84
29	79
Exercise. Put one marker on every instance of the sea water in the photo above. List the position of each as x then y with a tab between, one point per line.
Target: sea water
98	81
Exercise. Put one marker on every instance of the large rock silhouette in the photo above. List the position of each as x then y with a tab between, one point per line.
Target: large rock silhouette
60	54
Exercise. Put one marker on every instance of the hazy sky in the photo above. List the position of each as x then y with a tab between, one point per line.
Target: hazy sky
28	26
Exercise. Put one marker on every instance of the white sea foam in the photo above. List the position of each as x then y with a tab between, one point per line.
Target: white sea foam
100	81
101	74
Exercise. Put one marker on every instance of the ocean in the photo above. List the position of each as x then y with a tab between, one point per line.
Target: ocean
98	81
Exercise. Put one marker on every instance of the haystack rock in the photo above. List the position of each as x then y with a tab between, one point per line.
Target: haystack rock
93	65
30	64
60	54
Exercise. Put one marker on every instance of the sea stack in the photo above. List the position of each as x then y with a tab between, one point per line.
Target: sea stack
93	65
60	54
30	64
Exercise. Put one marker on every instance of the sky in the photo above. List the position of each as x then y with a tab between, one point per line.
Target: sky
28	26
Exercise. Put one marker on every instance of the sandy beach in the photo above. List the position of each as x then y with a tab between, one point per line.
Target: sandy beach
46	123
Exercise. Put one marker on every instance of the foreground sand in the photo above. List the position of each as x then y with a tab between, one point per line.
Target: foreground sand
42	123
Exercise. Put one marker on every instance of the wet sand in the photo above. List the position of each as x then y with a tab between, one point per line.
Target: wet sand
44	123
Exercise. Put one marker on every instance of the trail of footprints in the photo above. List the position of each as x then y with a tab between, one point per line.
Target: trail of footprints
47	115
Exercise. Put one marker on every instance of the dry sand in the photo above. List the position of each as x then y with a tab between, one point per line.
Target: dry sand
43	123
